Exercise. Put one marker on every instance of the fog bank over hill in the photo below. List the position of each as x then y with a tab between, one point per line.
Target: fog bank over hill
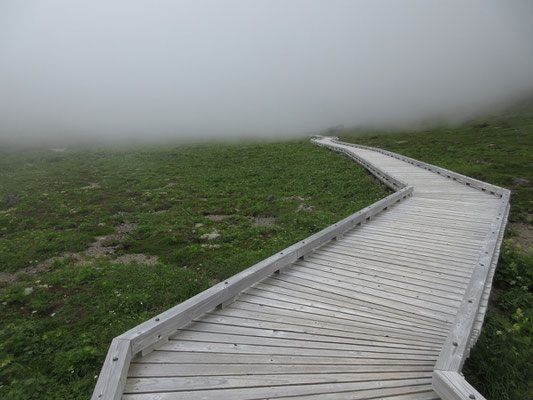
200	69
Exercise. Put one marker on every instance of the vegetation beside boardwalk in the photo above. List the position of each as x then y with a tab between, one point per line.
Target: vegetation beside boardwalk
206	212
497	150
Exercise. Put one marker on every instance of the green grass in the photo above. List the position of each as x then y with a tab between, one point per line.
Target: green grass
57	325
499	150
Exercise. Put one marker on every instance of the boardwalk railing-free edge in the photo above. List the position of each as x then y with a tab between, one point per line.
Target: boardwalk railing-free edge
447	381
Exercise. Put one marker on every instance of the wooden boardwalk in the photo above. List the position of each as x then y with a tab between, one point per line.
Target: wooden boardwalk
388	309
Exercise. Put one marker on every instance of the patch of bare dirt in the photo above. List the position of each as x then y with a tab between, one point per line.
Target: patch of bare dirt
161	211
211	246
217	218
135	259
126	228
210	236
103	247
10	277
299	198
305	207
264	221
524	234
521	181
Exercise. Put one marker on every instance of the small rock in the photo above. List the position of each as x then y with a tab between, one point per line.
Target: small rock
126	228
198	225
520	181
264	221
210	236
216	218
305	207
28	291
92	185
12	199
140	259
299	198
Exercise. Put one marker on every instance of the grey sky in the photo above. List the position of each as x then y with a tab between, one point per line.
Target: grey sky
220	68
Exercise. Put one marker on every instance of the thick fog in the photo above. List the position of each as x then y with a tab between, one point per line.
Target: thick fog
155	69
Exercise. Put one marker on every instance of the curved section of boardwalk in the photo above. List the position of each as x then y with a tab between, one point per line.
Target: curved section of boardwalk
364	316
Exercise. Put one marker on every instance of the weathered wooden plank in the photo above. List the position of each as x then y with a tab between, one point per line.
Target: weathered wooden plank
453	278
290	343
271	349
270	306
252	313
147	370
332	299
419	392
176	383
362	390
413	264
374	278
452	386
394	246
438	311
223	359
342	316
436	247
298	285
112	377
213	326
396	290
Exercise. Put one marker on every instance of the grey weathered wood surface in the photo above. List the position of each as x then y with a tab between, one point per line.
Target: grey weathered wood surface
384	304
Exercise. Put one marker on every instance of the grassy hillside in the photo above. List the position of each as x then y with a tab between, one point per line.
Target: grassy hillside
499	150
94	241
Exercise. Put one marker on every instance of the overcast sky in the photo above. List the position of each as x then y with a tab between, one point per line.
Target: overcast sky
278	67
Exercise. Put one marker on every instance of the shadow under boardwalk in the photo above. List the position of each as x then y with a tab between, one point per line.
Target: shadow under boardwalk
363	316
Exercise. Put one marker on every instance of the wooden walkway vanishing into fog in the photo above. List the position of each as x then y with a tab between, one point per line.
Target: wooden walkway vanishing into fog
385	304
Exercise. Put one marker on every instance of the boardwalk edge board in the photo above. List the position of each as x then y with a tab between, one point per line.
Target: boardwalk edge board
146	336
447	380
